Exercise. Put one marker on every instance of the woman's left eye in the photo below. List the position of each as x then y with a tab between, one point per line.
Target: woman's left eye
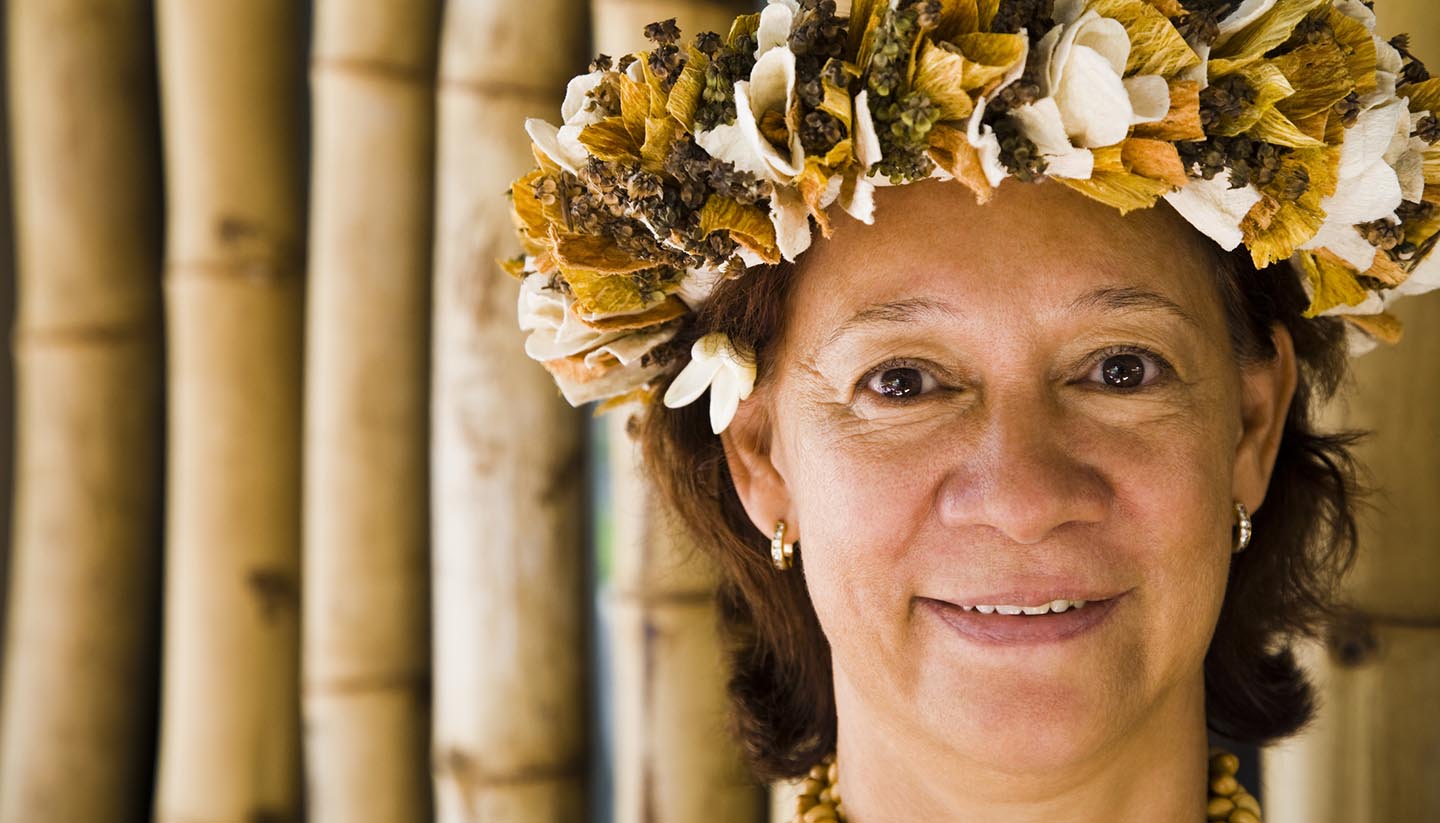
1128	369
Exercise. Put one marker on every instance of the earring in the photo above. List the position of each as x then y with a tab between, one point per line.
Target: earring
782	554
1245	528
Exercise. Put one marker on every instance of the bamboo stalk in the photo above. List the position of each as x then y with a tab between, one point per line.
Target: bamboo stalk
510	728
231	98
673	759
1371	754
80	673
366	650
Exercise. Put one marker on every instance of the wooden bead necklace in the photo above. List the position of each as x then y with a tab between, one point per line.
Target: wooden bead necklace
819	798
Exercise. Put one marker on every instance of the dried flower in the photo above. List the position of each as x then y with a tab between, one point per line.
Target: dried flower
1035	16
1410	212
1017	152
1413	70
731	62
1249	161
820	132
1224	100
1349	109
1382	234
604	98
1428	129
708	43
663	33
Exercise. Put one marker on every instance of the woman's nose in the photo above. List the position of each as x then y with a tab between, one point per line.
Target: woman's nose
1022	471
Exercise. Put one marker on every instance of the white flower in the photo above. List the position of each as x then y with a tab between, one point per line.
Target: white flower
1369	188
562	144
557	333
715	365
555	330
1214	208
1086	102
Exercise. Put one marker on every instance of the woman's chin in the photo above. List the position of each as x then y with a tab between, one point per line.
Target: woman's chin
1031	725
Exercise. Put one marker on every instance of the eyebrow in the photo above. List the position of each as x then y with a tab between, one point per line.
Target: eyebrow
1110	299
1125	298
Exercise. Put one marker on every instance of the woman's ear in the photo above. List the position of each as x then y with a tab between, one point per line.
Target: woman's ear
748	451
1266	390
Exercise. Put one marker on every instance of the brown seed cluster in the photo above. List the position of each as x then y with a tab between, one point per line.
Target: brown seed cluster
1248	160
1382	234
903	117
818	40
729	61
1034	16
1224	100
1413	70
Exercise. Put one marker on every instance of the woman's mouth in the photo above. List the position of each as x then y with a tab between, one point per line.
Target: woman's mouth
1016	623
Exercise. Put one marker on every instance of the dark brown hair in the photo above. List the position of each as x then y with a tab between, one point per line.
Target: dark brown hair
1282	586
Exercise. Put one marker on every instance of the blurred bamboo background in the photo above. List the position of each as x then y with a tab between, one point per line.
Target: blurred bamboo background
296	532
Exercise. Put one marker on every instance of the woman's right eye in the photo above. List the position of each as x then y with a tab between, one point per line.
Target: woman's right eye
901	382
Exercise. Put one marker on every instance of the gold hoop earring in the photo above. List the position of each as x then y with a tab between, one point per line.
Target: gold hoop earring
782	554
1245	528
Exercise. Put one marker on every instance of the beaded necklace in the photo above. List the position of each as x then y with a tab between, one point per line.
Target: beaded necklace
819	798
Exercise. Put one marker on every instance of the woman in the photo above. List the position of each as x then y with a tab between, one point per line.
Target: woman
1020	429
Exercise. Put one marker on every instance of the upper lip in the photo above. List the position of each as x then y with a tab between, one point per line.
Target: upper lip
1035	596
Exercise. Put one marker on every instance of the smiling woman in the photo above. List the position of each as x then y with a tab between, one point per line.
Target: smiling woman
1013	473
979	469
1063	420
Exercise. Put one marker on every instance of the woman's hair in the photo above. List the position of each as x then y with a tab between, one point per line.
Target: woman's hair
1283	585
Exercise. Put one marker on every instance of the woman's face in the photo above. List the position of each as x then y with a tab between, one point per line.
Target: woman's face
1007	405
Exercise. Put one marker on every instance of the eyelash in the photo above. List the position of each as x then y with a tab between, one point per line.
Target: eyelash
1163	367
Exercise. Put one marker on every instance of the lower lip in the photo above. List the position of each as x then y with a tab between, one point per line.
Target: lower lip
997	629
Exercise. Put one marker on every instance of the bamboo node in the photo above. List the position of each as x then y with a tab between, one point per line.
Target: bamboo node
1352	640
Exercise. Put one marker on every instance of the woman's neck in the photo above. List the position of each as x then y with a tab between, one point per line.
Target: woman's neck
889	773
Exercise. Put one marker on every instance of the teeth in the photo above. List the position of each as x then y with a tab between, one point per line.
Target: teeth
1055	606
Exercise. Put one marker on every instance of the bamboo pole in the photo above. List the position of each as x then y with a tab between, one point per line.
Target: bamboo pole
1373	753
79	692
366	650
511	724
673	760
231	93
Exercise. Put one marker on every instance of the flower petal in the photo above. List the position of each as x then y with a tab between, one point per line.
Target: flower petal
857	198
867	142
573	109
692	381
728	142
771	88
774	28
986	144
1093	100
1149	98
547	139
1214	208
724	400
792	222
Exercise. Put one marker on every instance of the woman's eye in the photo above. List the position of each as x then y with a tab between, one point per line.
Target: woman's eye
901	382
1127	370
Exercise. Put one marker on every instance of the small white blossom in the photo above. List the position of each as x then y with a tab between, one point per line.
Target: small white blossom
716	365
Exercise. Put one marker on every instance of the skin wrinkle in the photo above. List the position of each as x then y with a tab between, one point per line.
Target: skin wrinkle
1018	465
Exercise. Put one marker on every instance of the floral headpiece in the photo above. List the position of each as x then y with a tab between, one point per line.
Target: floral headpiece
1285	125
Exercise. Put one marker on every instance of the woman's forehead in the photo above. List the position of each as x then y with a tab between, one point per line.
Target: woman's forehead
1035	251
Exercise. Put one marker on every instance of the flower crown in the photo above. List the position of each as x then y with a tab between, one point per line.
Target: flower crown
1285	125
